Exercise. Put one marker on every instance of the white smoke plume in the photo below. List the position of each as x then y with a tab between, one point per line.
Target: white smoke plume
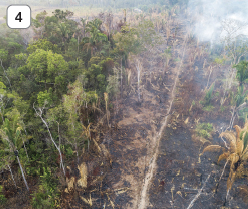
214	19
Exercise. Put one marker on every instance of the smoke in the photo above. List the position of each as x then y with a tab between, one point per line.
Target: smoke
217	19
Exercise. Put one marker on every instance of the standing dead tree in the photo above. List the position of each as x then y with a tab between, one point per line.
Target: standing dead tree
235	47
139	70
39	113
234	41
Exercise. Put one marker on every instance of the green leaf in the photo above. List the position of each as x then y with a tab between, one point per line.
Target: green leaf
245	140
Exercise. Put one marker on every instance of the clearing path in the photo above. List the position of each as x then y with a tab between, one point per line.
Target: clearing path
152	167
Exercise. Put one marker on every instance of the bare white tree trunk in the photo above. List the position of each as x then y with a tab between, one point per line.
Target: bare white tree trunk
40	115
231	121
209	77
199	193
221	176
12	175
227	194
22	173
25	149
138	67
89	136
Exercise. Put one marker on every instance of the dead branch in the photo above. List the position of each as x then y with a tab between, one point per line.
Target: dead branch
199	193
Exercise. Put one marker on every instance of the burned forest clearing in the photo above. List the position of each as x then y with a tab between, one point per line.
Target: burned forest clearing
124	108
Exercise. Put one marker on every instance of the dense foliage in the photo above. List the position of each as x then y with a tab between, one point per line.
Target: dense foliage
53	90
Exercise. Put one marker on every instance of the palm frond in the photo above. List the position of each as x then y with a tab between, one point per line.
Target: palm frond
231	138
212	148
244	156
239	146
230	179
238	130
86	131
234	158
223	156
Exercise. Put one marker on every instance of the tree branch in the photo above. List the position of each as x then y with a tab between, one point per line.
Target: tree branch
199	193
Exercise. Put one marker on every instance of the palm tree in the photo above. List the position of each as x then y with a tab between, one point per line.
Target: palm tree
11	136
236	152
84	25
6	160
63	31
95	23
95	39
96	36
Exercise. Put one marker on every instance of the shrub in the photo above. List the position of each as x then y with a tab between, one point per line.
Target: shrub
208	96
47	193
2	197
208	108
69	152
204	130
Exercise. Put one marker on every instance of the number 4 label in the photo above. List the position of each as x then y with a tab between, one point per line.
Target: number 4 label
18	16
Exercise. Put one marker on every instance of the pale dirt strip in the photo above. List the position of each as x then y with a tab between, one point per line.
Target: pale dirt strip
144	199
